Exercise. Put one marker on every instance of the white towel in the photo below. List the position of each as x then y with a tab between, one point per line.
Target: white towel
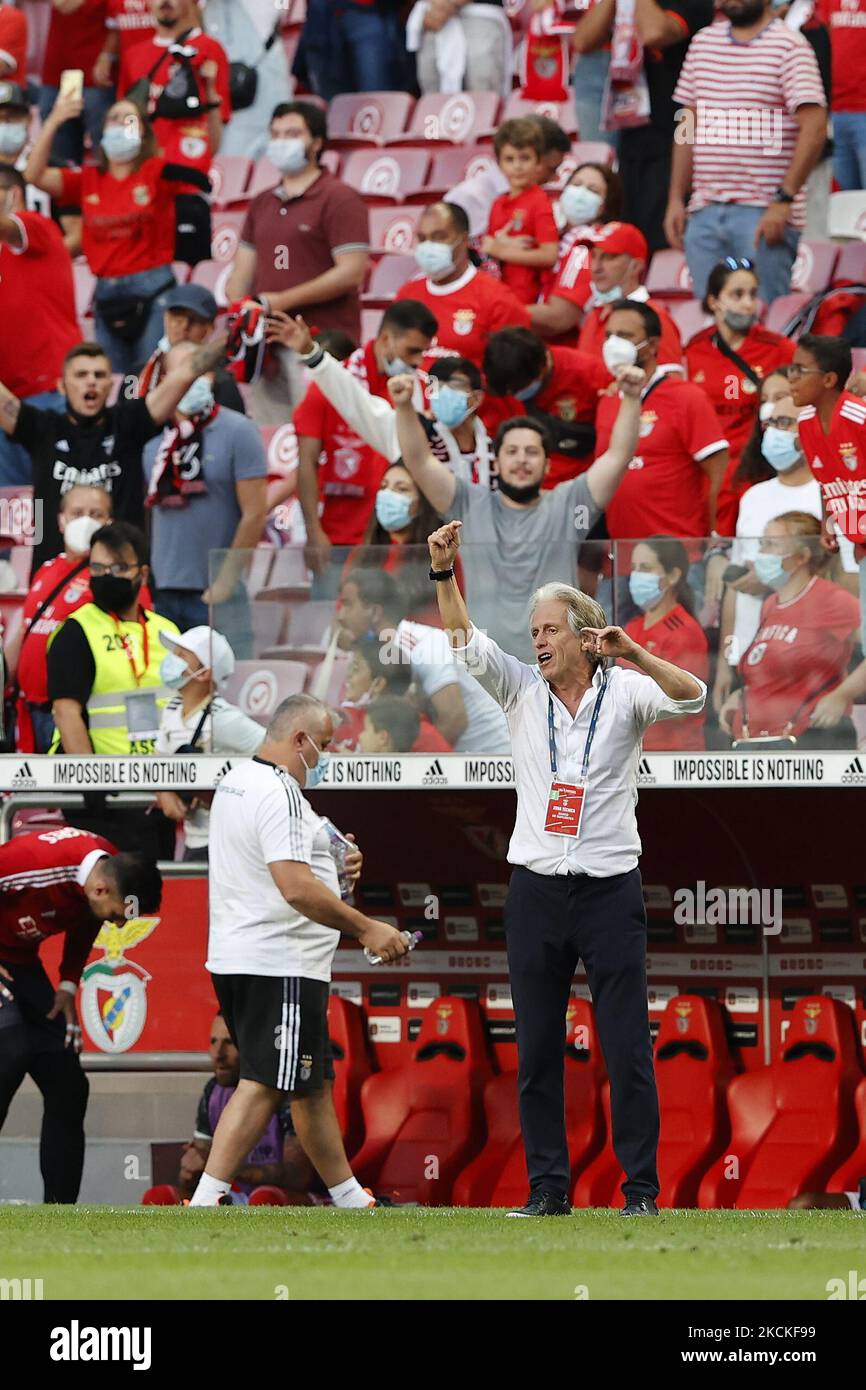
450	47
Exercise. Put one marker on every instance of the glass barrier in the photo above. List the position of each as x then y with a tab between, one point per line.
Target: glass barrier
773	639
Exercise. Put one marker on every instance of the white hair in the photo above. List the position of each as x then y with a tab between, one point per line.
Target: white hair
580	610
294	711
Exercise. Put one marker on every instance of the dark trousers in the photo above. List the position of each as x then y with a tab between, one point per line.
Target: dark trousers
31	1043
551	923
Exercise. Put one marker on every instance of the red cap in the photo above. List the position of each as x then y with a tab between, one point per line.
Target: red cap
622	239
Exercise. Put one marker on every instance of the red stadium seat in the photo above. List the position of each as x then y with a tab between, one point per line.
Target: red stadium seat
668	276
309	624
851	264
370	321
583	152
213	275
229	175
783	309
562	112
850	1174
792	1123
257	687
688	316
598	1184
813	267
693	1067
225	235
425	1120
368	118
288	578
458	119
266	176
450	167
386	177
281	447
392	230
386	278
498	1177
352	1066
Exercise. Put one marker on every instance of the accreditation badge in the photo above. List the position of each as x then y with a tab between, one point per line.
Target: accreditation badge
565	808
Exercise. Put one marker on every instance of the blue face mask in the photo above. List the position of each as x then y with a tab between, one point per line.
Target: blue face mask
645	589
606	296
198	399
435	258
579	205
397	367
174	672
770	570
780	448
289	155
393	509
528	391
13	136
450	406
120	143
316	774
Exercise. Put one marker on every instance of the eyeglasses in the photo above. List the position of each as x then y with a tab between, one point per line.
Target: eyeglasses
738	263
436	385
116	571
795	371
782	422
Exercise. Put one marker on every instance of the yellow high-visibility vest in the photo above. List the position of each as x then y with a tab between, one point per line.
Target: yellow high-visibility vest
124	706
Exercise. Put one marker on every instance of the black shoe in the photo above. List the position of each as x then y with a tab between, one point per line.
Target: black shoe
639	1206
544	1204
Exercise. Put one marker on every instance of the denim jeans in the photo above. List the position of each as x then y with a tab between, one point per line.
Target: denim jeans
353	48
728	229
849	149
16	467
43	728
127	357
68	143
590	75
186	608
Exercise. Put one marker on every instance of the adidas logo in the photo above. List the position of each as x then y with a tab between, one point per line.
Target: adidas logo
854	774
24	779
226	767
434	776
645	773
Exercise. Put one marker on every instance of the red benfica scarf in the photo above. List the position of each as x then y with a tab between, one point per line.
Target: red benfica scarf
168	487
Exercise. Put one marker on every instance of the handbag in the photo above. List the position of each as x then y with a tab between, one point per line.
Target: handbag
126	316
179	97
244	77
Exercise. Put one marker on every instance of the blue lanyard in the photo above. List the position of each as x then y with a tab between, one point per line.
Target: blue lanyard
590	736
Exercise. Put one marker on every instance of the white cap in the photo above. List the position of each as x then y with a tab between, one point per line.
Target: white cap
211	648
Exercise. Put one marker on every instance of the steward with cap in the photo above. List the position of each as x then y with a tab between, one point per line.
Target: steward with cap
104	662
198	720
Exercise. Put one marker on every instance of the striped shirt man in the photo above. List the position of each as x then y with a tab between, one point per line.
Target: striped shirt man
743	98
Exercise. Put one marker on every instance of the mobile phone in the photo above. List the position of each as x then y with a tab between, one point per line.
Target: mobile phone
72	83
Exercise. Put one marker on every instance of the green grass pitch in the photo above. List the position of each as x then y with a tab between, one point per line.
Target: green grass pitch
445	1253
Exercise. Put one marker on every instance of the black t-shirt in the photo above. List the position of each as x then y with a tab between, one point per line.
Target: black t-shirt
104	453
70	664
662	68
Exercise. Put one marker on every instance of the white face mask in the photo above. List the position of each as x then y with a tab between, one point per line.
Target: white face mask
289	154
618	352
78	533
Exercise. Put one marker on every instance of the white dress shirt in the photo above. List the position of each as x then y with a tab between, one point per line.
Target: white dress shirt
608	842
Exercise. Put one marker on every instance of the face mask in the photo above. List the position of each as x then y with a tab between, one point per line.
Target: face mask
528	493
579	205
12	137
450	407
397	367
780	448
316	774
78	533
618	352
393	509
739	321
434	258
645	589
121	144
174	672
289	156
528	392
770	570
113	595
607	296
198	399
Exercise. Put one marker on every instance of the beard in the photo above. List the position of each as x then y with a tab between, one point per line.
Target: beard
528	493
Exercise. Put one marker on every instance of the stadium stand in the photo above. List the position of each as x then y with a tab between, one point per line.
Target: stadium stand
352	1066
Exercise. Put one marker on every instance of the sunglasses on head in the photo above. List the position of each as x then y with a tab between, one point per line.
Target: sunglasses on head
738	263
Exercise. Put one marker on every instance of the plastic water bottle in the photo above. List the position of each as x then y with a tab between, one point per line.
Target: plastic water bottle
340	849
410	937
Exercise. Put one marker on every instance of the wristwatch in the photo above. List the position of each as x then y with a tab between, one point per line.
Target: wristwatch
436	575
782	195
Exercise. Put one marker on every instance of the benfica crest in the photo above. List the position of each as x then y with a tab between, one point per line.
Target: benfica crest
114	989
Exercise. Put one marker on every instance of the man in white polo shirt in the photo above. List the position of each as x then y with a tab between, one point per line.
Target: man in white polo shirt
575	893
275	921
